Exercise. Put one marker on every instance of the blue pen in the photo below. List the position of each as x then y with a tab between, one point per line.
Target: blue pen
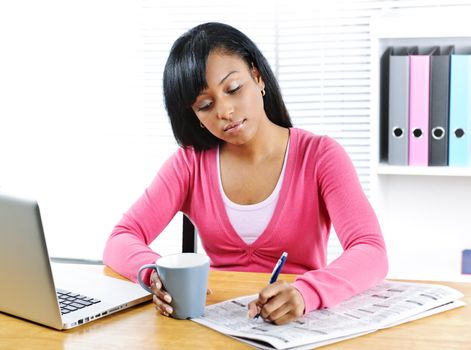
276	271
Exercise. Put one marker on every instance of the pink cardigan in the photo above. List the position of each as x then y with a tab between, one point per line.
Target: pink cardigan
320	187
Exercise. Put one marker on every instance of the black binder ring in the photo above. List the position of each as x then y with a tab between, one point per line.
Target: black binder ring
417	133
398	132
459	133
438	133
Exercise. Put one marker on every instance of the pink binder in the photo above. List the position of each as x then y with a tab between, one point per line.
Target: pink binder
419	92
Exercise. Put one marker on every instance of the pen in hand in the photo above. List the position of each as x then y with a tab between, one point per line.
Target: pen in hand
276	271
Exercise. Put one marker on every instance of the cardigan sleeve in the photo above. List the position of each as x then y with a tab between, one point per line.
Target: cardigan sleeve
363	262
127	248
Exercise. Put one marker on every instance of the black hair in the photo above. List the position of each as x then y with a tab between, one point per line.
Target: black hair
185	77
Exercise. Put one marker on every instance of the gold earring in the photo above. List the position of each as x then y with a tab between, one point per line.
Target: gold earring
263	92
201	125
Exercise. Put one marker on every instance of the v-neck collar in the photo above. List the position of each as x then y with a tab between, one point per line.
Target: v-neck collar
286	184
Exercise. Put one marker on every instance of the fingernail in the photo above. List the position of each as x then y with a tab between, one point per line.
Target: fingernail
167	298
169	309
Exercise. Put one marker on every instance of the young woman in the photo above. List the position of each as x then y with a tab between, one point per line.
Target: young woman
253	185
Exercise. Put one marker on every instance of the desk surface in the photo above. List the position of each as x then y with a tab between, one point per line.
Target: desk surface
141	327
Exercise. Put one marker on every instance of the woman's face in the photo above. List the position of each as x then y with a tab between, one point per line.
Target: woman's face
231	107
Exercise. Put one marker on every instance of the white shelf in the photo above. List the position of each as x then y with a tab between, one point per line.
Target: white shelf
386	169
423	211
420	23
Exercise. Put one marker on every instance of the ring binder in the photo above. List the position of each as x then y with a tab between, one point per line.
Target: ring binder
460	109
398	109
439	107
419	109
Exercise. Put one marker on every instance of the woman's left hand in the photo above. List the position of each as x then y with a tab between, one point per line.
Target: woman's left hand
279	303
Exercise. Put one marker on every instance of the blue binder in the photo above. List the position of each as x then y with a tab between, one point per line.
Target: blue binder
460	109
466	262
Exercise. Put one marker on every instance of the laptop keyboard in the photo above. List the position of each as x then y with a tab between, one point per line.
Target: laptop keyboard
70	302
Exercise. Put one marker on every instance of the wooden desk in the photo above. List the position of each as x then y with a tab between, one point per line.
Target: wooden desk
142	327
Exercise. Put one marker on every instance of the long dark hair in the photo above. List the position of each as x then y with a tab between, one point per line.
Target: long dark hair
185	78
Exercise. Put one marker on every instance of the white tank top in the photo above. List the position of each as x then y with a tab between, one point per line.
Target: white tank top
249	221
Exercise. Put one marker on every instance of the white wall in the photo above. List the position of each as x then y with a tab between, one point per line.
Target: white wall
83	129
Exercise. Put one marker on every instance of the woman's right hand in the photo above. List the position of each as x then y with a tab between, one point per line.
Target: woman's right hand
161	298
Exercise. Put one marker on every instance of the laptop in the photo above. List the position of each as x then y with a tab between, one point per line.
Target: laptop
59	296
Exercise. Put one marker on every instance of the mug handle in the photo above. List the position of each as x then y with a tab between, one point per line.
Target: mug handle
139	279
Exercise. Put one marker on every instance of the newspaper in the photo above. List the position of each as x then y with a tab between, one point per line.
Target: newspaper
384	305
